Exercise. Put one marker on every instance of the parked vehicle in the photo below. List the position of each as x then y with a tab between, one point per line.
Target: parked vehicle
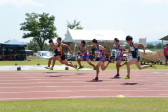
44	54
113	55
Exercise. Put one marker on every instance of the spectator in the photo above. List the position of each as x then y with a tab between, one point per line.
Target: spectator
166	54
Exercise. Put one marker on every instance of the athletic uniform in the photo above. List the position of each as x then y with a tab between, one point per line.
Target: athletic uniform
59	52
100	53
119	55
166	52
134	52
85	54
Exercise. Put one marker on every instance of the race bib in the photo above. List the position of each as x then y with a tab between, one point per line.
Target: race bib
58	49
132	49
118	53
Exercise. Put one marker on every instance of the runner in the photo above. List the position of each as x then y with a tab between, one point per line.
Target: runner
119	56
54	58
85	55
135	56
166	54
101	53
61	53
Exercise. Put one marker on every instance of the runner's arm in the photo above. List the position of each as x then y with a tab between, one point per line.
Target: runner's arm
96	55
102	48
141	45
79	48
69	49
121	47
126	52
54	47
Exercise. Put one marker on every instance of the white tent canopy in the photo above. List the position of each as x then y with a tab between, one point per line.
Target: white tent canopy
88	35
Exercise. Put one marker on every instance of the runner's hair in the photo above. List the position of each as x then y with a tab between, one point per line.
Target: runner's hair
129	38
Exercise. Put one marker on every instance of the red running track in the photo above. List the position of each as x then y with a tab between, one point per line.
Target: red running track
42	85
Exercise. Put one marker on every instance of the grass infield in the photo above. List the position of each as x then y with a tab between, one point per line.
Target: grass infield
88	105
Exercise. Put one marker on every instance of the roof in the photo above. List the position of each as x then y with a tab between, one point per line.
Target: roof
88	35
164	38
14	43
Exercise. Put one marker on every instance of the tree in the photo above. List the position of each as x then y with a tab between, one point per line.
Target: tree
7	41
40	27
74	25
32	45
150	46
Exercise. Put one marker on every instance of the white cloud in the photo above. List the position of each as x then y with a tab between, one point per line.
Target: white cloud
19	3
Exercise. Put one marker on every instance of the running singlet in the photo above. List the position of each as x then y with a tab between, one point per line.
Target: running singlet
166	51
100	53
59	52
85	54
134	52
119	55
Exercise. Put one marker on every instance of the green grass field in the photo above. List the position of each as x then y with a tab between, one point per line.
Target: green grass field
88	105
84	63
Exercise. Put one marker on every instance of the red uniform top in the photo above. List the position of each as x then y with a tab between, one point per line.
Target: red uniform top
166	51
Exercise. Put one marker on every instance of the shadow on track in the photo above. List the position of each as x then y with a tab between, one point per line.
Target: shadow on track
129	83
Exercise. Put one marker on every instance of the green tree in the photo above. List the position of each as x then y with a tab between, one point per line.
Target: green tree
74	25
33	45
40	27
150	46
7	41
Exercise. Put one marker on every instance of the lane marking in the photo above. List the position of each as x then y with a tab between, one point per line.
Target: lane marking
74	97
85	91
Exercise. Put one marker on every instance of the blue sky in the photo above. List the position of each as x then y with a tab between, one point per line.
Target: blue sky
138	18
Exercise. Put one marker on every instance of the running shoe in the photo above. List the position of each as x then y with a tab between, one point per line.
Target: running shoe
46	67
153	66
96	79
117	76
126	77
50	68
77	69
80	67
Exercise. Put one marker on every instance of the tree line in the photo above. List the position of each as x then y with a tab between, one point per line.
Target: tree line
40	27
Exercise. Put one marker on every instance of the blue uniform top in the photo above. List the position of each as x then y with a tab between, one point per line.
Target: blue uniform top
100	52
119	56
85	52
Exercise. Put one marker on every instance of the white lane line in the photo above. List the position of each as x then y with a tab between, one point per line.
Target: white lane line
70	97
36	79
104	89
163	94
92	86
14	87
78	86
17	83
11	92
142	88
43	82
87	91
19	77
